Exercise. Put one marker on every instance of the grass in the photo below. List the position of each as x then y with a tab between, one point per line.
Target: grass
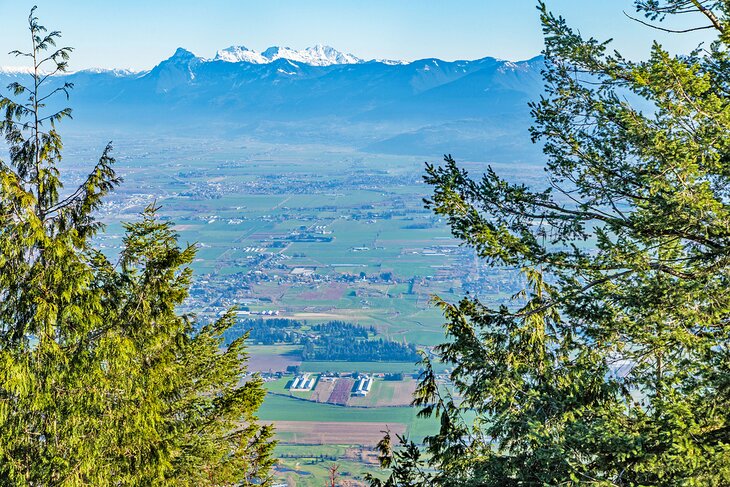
280	386
273	349
369	367
381	391
281	408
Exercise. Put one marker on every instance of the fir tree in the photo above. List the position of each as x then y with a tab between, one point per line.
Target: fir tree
102	382
612	366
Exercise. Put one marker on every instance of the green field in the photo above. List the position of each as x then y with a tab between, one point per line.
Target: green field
281	386
273	349
365	367
283	408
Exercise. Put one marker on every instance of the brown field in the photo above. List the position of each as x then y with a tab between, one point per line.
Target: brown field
402	395
271	363
322	390
329	292
341	391
330	433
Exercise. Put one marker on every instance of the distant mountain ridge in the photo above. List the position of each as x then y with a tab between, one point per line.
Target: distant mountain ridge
321	95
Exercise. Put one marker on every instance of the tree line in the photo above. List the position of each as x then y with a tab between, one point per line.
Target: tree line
346	349
332	340
102	381
611	366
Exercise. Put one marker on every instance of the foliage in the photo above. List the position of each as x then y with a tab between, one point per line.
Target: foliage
353	350
333	340
612	366
270	331
406	464
101	381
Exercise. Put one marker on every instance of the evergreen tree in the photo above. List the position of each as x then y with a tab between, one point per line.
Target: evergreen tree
612	366
102	382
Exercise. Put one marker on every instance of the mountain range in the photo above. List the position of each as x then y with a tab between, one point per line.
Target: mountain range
474	108
318	55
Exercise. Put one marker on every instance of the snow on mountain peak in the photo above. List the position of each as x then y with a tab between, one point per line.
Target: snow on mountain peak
238	54
318	55
15	70
328	55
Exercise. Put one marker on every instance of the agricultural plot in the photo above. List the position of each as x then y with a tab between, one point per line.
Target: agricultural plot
341	391
283	387
386	393
363	367
334	433
323	390
261	213
306	465
330	292
278	408
272	358
271	363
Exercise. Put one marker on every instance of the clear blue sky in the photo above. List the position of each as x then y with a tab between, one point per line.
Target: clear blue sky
139	33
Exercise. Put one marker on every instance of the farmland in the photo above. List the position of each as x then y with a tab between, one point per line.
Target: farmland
307	232
341	392
278	408
273	358
314	234
334	432
307	465
337	391
387	393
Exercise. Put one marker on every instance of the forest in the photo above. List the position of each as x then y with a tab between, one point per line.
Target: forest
332	340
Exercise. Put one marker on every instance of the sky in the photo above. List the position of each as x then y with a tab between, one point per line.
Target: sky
138	34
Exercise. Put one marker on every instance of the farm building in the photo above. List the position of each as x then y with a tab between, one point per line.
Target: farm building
363	386
303	383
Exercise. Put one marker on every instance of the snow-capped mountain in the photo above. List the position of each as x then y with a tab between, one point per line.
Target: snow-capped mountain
118	72
15	70
318	55
428	106
240	54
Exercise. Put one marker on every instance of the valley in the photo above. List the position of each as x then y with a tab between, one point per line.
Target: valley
312	235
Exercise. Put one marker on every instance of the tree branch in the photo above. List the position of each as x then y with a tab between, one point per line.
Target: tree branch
673	31
709	14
